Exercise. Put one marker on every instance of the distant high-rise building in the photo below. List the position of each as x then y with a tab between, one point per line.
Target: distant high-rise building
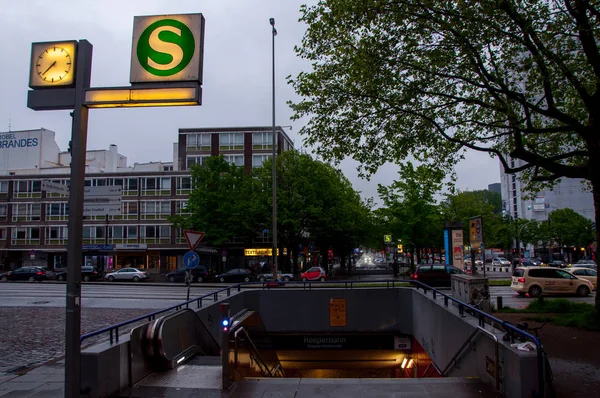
569	193
495	187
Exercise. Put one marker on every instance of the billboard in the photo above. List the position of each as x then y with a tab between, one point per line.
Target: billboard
458	256
476	232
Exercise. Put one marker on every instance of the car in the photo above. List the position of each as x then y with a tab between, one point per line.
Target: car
435	274
587	274
269	277
199	274
500	262
586	264
557	264
88	273
314	274
537	281
27	274
236	275
127	274
530	262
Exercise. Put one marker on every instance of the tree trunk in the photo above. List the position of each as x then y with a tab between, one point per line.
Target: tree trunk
596	195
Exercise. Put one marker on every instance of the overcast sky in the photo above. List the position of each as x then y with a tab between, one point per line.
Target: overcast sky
237	75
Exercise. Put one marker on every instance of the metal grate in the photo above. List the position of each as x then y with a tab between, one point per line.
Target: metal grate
187	376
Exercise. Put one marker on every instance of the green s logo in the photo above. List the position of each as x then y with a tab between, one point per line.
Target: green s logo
165	47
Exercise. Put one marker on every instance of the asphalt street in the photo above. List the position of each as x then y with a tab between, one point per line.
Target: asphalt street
117	295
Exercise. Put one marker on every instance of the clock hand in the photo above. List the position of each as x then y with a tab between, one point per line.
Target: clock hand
50	67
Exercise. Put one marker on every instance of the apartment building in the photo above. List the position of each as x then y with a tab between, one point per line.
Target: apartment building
33	222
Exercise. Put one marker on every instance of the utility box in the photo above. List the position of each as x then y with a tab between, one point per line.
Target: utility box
472	290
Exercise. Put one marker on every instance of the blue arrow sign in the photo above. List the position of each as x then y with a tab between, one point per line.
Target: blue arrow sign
191	259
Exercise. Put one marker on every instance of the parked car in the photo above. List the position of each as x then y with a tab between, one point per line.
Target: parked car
500	262
235	275
435	275
587	274
557	264
269	277
314	274
537	281
27	274
199	274
127	274
586	264
88	273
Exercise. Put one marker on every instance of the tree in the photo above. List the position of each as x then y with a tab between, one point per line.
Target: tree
569	228
217	205
410	208
393	78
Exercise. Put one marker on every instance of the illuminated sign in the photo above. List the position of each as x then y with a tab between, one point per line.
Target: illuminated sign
259	252
167	48
10	140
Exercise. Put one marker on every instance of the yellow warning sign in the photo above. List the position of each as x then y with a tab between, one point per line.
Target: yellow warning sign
337	312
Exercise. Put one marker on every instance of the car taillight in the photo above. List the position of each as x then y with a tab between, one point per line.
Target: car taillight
521	280
95	273
39	273
415	276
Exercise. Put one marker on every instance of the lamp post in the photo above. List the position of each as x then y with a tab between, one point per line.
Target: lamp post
274	171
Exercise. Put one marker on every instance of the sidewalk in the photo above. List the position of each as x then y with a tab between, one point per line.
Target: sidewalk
45	381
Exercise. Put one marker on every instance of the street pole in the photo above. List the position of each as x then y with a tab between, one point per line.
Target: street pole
75	225
274	171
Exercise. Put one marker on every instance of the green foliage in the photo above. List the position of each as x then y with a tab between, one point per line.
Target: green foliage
464	205
569	228
409	211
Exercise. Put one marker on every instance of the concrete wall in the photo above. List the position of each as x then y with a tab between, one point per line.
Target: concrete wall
442	331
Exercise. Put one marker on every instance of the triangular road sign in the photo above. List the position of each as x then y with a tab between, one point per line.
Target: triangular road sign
193	238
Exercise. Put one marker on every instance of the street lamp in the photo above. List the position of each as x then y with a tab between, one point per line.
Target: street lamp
274	171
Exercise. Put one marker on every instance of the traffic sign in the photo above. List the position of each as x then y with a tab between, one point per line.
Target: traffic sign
191	259
54	187
102	200
193	238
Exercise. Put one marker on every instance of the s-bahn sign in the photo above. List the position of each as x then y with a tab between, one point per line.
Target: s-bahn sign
167	48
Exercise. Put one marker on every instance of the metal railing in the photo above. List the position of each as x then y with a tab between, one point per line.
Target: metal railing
511	330
113	330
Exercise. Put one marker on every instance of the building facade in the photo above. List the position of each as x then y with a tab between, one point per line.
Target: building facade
569	193
33	222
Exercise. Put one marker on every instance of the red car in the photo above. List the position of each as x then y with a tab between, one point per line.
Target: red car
314	274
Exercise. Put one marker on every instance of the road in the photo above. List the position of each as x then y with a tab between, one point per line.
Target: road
117	295
511	299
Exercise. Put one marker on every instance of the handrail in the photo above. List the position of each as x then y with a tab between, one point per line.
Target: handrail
261	362
151	316
510	329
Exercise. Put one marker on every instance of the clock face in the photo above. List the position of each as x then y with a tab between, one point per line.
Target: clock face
52	64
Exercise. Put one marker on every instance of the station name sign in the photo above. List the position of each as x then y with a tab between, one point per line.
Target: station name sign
10	140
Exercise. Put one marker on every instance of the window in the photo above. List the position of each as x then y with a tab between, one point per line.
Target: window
3	187
57	211
27	212
156	186
258	160
231	141
199	142
3	211
28	189
122	234
56	235
167	168
25	236
184	185
156	233
192	160
155	210
237	160
262	140
93	234
3	233
181	207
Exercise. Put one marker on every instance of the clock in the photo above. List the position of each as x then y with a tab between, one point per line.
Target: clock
52	64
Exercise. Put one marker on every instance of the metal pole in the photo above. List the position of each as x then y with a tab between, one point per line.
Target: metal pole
75	225
274	171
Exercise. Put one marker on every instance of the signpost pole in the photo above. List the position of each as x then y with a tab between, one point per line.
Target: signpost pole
79	144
